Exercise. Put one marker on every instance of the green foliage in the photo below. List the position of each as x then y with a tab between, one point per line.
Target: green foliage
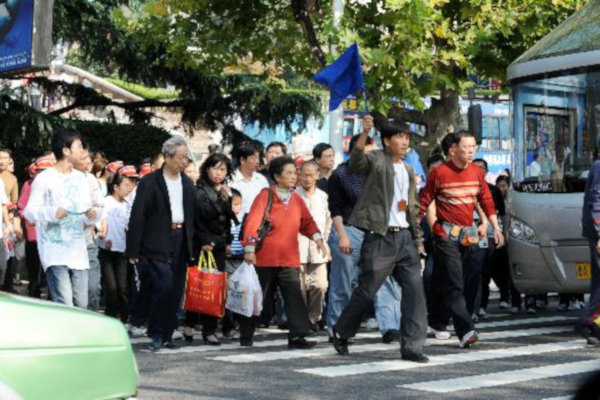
143	91
129	143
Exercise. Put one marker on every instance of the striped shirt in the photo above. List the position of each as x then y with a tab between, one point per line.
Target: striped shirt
456	191
344	189
236	246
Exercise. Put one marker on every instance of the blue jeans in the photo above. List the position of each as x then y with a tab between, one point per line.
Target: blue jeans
95	275
593	306
68	286
343	277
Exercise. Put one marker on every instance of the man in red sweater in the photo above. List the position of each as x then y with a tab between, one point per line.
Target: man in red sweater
457	187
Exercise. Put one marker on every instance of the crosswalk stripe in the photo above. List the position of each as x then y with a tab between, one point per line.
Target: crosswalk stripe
257	344
504	378
524	321
373	335
469	356
560	398
375	347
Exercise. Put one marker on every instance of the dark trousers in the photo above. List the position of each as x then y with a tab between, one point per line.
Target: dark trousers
381	256
495	267
114	279
34	269
459	268
141	295
288	280
168	281
209	323
593	307
11	273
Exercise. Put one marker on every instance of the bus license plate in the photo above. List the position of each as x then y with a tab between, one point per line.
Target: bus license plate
584	271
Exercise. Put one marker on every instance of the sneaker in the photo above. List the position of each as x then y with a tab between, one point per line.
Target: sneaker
314	327
299	343
469	339
176	335
155	345
562	307
137	331
371	323
482	312
430	331
504	304
515	310
531	310
231	334
171	345
574	305
442	335
475	318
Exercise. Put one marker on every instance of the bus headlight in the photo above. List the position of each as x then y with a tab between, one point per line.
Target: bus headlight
521	231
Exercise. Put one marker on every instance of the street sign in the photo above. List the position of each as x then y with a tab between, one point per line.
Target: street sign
25	35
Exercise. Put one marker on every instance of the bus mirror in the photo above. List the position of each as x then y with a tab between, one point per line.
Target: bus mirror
475	117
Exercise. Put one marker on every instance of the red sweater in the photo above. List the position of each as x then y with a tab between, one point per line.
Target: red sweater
456	191
280	247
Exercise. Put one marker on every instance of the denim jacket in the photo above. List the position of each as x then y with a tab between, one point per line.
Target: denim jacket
372	212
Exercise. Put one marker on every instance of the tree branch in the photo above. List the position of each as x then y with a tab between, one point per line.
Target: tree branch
301	13
127	106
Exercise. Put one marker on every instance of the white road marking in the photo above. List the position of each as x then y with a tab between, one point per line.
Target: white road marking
374	347
468	356
504	378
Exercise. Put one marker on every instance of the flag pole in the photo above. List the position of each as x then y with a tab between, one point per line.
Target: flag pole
364	96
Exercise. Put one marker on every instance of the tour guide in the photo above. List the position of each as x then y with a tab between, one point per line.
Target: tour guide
388	212
456	187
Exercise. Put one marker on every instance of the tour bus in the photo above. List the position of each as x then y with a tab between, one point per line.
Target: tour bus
555	124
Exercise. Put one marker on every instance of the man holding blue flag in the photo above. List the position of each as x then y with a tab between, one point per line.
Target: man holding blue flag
388	213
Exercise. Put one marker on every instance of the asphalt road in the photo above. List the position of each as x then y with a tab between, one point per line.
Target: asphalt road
519	357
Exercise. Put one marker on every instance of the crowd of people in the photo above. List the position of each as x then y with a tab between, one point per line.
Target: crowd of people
332	247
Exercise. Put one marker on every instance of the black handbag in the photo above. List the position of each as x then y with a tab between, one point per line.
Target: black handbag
265	225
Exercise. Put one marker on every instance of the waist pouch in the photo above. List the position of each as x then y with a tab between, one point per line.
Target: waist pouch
465	236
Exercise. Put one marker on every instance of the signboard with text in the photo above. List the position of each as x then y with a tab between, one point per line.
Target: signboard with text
25	35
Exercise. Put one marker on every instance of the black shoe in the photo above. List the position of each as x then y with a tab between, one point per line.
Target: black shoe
340	345
211	340
264	325
390	336
155	345
588	334
322	324
314	326
246	342
299	343
415	357
171	346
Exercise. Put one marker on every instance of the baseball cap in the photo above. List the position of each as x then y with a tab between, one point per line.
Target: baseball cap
114	166
128	171
145	169
43	163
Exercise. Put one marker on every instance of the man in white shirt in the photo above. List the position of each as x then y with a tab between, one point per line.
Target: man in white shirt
245	179
313	267
60	205
94	274
159	241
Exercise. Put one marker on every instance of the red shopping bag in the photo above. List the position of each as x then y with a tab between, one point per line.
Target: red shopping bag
205	288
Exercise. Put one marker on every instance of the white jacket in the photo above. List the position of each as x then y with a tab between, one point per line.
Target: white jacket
318	204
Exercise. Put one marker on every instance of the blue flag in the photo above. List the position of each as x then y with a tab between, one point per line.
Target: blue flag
343	77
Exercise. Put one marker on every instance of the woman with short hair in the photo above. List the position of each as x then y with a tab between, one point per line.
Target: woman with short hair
277	261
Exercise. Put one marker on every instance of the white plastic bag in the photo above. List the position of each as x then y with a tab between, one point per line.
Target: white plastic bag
257	295
242	288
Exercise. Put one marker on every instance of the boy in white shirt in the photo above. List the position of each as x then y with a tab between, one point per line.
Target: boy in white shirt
60	205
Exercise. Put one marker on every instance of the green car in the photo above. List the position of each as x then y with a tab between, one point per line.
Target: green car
49	351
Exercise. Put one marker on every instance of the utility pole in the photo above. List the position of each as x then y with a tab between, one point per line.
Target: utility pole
336	117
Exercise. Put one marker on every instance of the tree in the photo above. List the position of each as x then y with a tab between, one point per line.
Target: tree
410	48
207	99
